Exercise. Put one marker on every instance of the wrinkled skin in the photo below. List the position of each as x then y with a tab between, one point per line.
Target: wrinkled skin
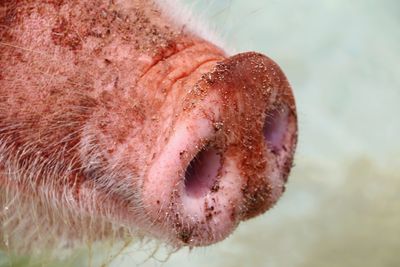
114	115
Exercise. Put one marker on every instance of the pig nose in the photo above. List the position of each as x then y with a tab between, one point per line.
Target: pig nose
228	156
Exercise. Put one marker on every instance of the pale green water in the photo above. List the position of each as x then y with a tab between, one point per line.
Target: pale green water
342	204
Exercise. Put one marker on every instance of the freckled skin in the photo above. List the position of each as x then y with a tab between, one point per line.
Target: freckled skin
103	104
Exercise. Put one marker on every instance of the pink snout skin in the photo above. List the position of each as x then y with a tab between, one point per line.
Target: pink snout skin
198	187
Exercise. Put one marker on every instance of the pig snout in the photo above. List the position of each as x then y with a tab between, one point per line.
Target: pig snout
113	114
229	154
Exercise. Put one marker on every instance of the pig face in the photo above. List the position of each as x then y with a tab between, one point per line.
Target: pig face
116	120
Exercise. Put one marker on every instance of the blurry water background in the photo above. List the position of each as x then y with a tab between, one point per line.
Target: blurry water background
342	203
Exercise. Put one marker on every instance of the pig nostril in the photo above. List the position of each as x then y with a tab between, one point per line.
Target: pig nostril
275	128
202	172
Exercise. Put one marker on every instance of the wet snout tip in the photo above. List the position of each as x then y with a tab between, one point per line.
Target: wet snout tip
197	193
